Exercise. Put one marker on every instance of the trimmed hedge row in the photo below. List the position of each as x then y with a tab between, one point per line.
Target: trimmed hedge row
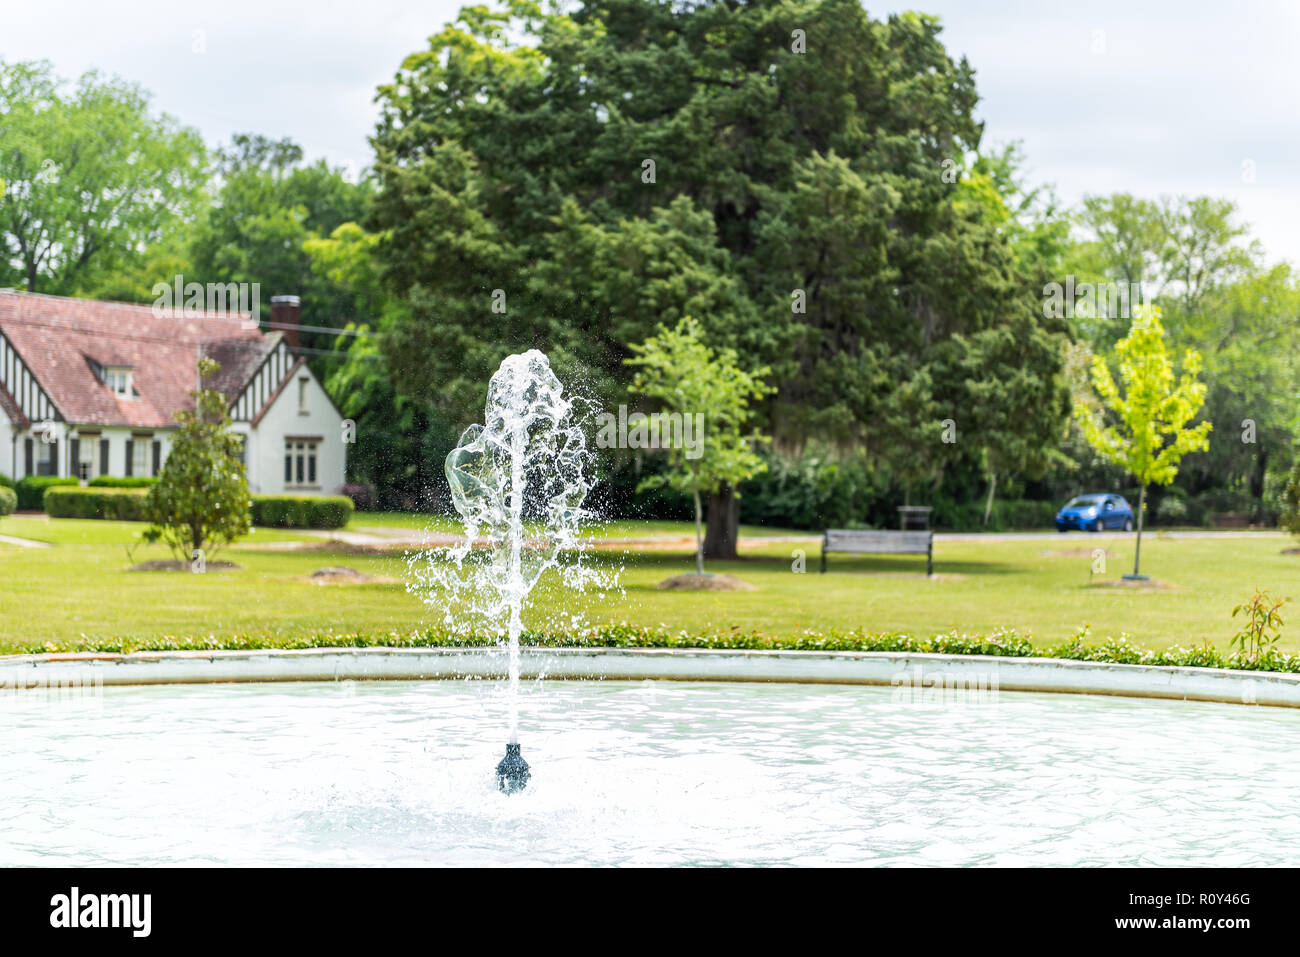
8	500
1000	643
115	481
120	504
127	504
1008	514
31	490
301	511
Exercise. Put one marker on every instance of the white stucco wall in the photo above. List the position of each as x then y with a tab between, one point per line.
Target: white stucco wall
117	439
6	447
13	455
314	418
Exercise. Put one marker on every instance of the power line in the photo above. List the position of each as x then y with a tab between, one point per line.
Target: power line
326	329
169	340
333	352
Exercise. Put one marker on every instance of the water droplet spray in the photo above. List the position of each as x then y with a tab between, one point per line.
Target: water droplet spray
526	469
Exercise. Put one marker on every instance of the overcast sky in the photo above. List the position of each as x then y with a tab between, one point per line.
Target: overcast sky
1153	98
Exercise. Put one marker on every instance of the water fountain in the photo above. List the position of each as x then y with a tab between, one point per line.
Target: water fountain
641	771
526	469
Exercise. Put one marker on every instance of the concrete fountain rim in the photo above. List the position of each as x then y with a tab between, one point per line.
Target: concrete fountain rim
906	669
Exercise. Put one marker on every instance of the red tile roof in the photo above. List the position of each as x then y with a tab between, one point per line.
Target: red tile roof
58	337
239	360
10	408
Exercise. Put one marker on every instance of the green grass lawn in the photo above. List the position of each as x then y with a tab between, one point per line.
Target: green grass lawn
84	531
82	586
408	521
399	521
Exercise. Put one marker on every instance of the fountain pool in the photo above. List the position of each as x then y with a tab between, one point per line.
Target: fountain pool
401	772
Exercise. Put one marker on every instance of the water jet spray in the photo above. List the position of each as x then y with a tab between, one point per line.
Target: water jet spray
525	470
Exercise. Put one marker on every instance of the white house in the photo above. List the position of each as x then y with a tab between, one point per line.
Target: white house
91	388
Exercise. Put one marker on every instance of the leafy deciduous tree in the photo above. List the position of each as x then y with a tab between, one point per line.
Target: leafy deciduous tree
680	372
92	179
1151	433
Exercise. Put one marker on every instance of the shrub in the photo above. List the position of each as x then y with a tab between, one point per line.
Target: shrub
1000	642
816	491
1173	510
1258	639
1023	513
128	505
122	504
114	481
1290	520
31	490
6	481
1007	514
362	495
8	500
301	511
200	500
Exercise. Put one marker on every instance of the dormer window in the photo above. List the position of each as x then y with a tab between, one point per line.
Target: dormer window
119	380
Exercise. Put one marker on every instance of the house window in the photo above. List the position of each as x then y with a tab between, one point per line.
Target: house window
44	457
119	380
300	462
140	457
86	458
302	395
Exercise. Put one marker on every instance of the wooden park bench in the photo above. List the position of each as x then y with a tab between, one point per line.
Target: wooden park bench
880	543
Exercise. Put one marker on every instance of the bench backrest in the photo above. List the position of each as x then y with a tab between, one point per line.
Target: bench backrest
853	540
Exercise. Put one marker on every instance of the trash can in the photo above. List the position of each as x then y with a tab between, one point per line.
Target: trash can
914	518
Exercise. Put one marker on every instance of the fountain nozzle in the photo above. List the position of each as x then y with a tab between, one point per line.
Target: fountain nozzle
512	772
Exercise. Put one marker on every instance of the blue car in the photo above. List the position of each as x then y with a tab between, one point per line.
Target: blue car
1095	513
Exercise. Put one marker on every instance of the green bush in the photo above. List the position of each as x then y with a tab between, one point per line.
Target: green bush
1008	514
8	500
816	491
301	511
128	504
1173	510
1203	508
1001	642
31	490
6	481
1024	513
113	481
109	503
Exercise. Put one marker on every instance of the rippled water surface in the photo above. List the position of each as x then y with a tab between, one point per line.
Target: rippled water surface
653	773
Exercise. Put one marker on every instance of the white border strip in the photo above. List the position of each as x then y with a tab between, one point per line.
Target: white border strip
917	671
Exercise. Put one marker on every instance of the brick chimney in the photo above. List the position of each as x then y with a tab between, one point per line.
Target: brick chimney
286	317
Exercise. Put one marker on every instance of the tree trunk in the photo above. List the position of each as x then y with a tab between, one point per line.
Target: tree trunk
1137	552
723	526
988	504
1257	477
699	541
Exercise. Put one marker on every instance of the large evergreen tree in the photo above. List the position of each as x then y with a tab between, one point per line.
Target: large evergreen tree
201	501
781	170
